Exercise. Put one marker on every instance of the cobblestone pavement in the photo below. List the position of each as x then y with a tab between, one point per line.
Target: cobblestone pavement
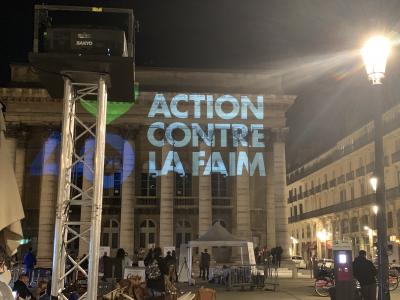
289	289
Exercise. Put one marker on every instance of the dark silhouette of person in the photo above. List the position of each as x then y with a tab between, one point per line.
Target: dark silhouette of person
155	271
29	263
21	287
201	264
149	257
279	252
364	271
118	263
206	264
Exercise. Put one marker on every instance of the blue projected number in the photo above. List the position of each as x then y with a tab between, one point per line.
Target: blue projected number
42	164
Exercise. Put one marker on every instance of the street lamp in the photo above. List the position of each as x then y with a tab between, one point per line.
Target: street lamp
373	181
323	236
371	234
375	54
294	242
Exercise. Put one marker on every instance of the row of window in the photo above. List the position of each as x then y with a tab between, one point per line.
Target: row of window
183	185
297	193
351	225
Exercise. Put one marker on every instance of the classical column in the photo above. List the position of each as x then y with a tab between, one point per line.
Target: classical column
167	204
281	207
205	196
242	199
48	199
20	158
128	195
270	205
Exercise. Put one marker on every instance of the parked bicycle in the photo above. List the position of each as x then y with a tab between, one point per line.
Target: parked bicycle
324	281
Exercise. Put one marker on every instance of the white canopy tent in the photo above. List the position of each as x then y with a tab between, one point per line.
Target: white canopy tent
11	211
218	236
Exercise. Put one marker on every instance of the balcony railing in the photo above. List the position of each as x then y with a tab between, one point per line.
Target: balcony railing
350	175
332	183
370	167
318	188
147	201
360	171
343	206
367	138
222	201
341	179
112	200
396	156
186	201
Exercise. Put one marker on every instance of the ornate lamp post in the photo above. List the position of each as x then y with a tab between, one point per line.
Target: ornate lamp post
375	53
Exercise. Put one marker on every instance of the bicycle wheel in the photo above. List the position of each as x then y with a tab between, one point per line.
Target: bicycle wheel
393	282
322	286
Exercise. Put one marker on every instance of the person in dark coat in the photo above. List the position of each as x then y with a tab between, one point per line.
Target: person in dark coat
21	287
364	271
170	265
279	252
149	257
206	264
118	263
155	271
201	265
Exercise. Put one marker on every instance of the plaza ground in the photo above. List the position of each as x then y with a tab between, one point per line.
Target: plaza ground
288	289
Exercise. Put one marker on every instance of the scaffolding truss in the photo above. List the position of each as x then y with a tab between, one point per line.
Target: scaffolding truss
75	128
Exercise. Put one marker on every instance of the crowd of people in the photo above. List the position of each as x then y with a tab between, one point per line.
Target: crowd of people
264	254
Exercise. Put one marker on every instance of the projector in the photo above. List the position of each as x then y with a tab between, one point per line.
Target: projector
85	41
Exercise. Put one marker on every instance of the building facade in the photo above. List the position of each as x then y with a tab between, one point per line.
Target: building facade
330	198
164	184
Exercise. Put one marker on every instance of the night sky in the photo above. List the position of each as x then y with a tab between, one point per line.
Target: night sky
312	43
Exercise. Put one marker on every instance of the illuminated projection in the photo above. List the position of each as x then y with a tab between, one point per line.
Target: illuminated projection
228	111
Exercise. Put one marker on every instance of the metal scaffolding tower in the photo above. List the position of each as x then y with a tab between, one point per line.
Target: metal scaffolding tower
74	129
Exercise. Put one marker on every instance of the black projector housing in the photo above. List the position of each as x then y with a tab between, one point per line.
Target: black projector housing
85	41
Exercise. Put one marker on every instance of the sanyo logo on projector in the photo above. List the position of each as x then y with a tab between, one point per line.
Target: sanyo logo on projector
84	43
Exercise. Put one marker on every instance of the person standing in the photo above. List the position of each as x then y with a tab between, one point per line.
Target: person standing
364	271
29	263
155	272
279	252
206	264
201	264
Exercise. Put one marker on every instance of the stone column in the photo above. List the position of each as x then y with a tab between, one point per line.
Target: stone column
281	206
243	202
20	158
205	196
47	207
167	204
128	196
270	205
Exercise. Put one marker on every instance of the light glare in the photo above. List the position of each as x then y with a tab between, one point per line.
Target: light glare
375	54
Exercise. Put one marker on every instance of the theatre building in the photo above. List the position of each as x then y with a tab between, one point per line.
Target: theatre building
195	148
330	197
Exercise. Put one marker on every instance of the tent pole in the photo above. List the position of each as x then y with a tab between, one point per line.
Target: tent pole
190	265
